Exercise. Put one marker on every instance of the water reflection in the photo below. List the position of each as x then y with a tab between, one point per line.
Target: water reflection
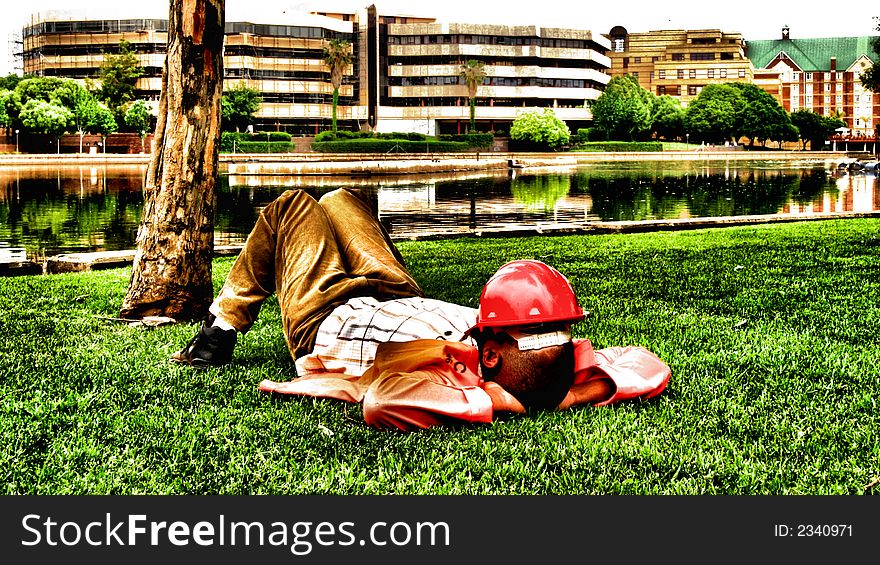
49	210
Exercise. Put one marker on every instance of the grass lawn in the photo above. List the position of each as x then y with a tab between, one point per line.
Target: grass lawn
772	333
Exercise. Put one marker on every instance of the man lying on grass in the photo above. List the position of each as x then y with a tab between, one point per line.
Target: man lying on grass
359	328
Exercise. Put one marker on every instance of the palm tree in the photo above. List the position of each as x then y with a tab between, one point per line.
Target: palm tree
472	73
337	58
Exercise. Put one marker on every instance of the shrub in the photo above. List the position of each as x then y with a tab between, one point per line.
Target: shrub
472	139
541	129
388	146
612	146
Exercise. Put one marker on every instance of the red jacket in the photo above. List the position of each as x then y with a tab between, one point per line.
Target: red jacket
421	383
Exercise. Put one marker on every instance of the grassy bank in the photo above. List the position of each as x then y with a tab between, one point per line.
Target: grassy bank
772	333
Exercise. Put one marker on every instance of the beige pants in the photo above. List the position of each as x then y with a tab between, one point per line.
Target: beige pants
314	255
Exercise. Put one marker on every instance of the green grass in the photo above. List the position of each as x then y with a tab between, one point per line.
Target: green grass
772	333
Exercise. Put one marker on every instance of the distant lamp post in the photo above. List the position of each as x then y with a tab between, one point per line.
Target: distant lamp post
687	138
16	141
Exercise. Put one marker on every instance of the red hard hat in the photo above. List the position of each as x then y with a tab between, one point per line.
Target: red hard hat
526	292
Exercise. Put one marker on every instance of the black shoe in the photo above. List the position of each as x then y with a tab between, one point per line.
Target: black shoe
209	347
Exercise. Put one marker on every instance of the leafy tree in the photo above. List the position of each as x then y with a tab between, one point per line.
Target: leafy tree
119	73
716	114
871	77
542	128
337	58
667	117
46	117
139	118
90	115
814	127
5	120
59	91
239	104
762	117
623	110
10	81
472	73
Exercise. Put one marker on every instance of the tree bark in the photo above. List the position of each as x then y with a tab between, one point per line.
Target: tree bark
171	273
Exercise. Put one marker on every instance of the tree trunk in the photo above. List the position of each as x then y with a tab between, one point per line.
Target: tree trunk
171	274
335	103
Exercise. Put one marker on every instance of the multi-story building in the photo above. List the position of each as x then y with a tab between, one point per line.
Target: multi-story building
404	75
822	75
526	67
679	62
281	58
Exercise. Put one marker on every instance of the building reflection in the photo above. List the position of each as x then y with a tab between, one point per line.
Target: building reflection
50	210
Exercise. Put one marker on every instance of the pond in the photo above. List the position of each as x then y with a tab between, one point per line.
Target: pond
52	210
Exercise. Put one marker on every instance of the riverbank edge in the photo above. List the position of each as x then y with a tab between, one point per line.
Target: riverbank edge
380	164
101	260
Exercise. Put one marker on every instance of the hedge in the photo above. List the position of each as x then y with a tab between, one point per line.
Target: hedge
233	140
472	139
259	147
618	146
389	146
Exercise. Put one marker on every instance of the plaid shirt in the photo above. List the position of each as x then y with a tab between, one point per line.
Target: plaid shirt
347	339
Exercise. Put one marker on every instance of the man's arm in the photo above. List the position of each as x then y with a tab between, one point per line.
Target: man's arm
590	392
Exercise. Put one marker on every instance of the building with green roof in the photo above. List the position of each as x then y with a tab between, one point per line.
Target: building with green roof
820	74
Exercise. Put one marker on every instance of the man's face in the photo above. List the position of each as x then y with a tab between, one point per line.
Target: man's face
535	363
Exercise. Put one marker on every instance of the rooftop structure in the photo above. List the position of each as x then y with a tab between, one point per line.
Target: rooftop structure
822	75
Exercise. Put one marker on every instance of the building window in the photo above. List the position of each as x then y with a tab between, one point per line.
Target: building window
828	87
619	45
651	75
692	73
661	90
796	76
637	59
827	76
680	73
692	90
723	73
809	76
742	73
661	74
636	75
678	56
710	73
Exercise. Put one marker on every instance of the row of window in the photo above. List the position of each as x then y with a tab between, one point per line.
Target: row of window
467	39
303	98
93	49
456	60
234	72
430	101
138	25
489	81
697	73
723	56
96	26
273	52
